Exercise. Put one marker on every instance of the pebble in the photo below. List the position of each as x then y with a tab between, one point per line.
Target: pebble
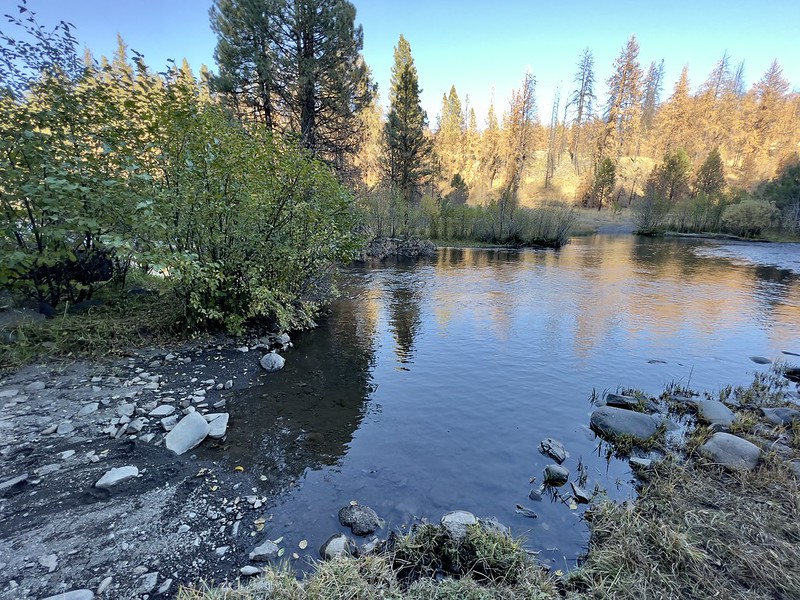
147	582
183	528
126	410
35	386
47	470
249	570
49	562
164	587
221	550
66	454
228	384
88	409
9	393
65	427
104	585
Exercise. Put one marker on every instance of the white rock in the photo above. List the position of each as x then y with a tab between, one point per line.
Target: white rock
218	423
228	384
164	587
456	522
147	583
35	386
88	409
12	482
104	585
64	428
271	362
265	551
168	423
187	434
9	393
126	410
49	562
243	349
73	595
116	476
164	410
66	454
249	570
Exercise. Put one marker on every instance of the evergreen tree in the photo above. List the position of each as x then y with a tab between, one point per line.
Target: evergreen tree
407	146
670	180
710	177
582	100
653	83
450	138
624	108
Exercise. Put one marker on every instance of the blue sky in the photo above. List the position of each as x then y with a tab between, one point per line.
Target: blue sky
481	46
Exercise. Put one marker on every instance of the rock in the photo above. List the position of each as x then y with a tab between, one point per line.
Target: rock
618	401
47	470
104	585
73	595
795	465
218	423
268	550
732	452
243	349
168	423
282	339
492	525
536	493
136	425
190	431
610	422
336	545
66	454
116	476
714	412
760	360
554	449
362	520
9	393
126	410
228	384
781	415
35	386
221	550
164	587
271	362
163	410
249	571
65	428
147	583
9	483
642	463
49	562
455	523
555	475
88	409
792	374
579	493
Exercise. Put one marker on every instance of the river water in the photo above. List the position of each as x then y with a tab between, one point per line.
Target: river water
430	385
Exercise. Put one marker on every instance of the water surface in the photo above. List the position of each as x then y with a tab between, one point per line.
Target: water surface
430	384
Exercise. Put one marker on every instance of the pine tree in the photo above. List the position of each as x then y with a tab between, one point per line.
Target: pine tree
582	100
407	145
653	84
675	119
710	177
491	158
624	108
450	138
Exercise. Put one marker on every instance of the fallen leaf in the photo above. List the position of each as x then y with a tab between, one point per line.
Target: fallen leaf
353	502
295	555
573	505
263	478
278	541
214	488
281	552
559	573
303	544
238	469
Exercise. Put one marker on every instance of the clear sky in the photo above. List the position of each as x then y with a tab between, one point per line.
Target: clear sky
482	46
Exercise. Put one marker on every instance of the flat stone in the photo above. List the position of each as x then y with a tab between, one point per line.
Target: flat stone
618	401
579	493
249	570
282	339
116	476
104	585
271	362
335	546
9	393
643	463
760	360
362	520
163	410
147	583
781	415
190	431
35	386
66	454
47	470
49	562
73	595
164	587
611	422
555	475
732	452
126	410
267	550
218	423
221	550
9	483
714	412
136	425
88	409
168	423
228	384
456	523
65	427
554	449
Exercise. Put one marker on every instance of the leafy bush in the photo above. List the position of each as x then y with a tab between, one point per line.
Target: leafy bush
649	213
749	218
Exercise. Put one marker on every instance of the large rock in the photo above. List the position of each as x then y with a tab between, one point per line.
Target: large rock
610	422
336	545
73	595
271	362
362	520
781	415
218	423
268	550
455	523
116	476
714	412
555	475
732	452
190	431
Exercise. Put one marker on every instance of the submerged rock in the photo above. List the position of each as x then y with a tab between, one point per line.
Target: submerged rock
554	449
732	452
760	360
455	523
336	545
362	520
190	431
267	550
555	475
611	422
271	362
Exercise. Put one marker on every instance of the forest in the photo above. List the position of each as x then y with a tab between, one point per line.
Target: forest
239	190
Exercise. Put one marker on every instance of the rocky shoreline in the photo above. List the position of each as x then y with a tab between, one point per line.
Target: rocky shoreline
101	492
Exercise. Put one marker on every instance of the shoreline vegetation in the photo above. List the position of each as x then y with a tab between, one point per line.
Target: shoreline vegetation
702	526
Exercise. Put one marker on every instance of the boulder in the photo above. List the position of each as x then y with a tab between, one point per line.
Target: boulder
714	412
336	545
362	520
116	476
271	362
732	452
190	431
555	475
455	523
781	415
610	422
218	423
554	449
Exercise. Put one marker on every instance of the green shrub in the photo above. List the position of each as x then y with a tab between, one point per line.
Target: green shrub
749	218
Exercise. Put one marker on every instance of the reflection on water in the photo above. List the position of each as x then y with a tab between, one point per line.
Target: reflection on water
431	384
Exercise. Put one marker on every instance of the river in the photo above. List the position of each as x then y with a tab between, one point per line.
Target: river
430	384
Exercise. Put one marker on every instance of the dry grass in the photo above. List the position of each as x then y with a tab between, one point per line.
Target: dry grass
698	533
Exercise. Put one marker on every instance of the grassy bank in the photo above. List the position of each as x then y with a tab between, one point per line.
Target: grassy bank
694	531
